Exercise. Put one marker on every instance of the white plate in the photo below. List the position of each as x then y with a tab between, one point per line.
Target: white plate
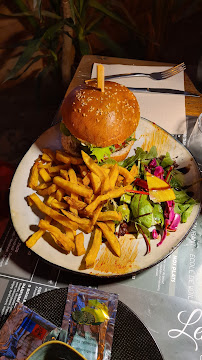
132	258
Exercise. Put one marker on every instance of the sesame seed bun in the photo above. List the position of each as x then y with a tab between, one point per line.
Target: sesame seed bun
101	118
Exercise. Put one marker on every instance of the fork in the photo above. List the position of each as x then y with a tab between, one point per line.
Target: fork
155	75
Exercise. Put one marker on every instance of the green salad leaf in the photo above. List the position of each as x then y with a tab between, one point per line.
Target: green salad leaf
142	210
167	161
158	214
186	213
125	212
177	179
141	155
183	204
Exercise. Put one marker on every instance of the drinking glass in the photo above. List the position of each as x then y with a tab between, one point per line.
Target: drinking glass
194	143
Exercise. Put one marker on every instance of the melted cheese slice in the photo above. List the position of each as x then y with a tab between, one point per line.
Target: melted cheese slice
159	190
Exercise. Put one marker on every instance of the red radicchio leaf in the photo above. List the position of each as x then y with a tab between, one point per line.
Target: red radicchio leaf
153	163
175	222
165	232
158	172
155	234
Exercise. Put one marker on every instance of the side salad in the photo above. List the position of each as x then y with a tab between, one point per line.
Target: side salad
158	202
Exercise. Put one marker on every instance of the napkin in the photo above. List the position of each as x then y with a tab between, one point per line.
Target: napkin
166	110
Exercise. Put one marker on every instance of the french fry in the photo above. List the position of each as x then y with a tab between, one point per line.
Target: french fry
79	244
60	194
45	157
128	178
96	215
34	176
58	204
86	180
70	187
89	200
96	182
61	239
75	203
44	166
37	235
113	176
119	181
50	199
94	249
43	186
106	170
53	213
111	238
84	224
101	198
73	179
34	238
57	168
110	215
64	174
70	233
83	170
51	189
63	157
90	163
105	187
50	153
76	218
111	224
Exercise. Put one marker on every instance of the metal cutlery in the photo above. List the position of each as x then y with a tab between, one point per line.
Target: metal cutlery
163	91
161	75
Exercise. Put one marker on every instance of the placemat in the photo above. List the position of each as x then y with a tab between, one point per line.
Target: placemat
131	339
166	110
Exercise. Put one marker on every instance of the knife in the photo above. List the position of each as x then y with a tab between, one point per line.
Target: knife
163	91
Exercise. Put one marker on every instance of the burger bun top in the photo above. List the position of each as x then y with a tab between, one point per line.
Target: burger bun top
101	118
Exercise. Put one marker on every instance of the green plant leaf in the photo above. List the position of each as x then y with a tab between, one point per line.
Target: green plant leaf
81	3
94	23
112	45
50	14
22	6
37	6
33	61
52	30
21	14
31	48
104	10
84	47
72	8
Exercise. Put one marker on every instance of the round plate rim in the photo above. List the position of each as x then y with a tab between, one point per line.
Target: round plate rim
112	276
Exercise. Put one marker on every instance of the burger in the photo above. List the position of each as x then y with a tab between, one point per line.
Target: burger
102	124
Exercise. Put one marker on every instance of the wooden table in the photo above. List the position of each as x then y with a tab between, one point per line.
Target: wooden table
83	72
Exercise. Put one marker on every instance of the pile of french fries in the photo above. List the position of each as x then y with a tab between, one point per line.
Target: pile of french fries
74	191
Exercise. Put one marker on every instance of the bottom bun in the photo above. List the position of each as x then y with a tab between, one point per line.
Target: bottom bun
121	154
72	147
